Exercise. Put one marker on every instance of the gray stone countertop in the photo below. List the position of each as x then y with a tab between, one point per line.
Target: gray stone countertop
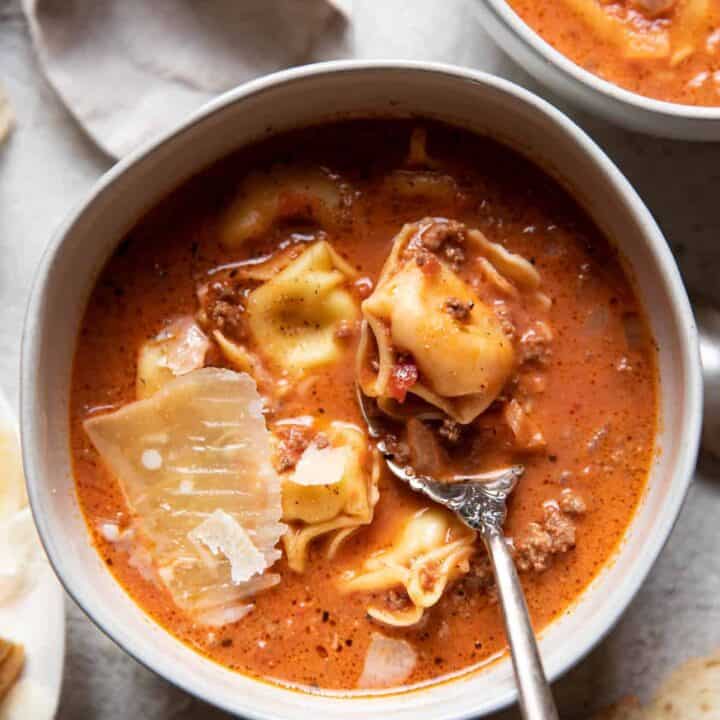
47	167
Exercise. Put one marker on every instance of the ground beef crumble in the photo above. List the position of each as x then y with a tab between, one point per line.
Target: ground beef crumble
455	255
571	503
535	344
481	571
450	430
480	580
442	231
222	308
439	237
292	445
399	450
458	309
504	315
542	540
397	600
554	535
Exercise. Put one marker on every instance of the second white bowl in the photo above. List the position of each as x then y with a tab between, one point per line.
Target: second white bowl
580	87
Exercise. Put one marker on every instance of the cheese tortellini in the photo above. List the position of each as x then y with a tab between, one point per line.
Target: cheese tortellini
638	35
426	331
283	192
332	491
294	316
178	349
432	550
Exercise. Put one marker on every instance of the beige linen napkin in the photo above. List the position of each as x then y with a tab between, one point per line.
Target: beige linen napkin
130	69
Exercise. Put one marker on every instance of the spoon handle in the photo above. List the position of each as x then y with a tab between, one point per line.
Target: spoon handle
536	700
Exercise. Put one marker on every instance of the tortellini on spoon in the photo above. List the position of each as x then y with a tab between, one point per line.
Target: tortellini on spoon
427	333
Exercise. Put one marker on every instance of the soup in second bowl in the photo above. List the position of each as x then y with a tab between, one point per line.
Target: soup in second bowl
220	457
664	49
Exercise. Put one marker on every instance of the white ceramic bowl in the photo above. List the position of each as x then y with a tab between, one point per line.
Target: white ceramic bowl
578	86
287	100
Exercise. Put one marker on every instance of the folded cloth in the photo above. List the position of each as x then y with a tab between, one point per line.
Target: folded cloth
130	69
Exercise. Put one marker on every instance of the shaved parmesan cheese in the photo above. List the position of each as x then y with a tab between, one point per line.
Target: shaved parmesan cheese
217	458
388	662
224	535
185	346
179	349
321	466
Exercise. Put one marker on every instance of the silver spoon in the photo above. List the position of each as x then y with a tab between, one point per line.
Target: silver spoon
480	502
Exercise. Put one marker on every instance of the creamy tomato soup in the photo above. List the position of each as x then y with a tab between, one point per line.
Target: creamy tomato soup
220	457
664	49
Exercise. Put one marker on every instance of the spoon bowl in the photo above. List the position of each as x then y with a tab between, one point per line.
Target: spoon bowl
477	500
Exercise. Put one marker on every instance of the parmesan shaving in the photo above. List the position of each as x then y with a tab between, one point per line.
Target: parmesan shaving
179	349
202	499
224	535
186	345
388	662
321	466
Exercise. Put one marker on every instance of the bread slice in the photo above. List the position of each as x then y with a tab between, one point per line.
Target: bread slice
12	659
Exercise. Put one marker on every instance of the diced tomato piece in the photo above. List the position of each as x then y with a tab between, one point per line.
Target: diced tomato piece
364	287
402	378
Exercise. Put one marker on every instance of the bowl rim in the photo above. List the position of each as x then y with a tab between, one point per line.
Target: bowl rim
682	471
507	15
